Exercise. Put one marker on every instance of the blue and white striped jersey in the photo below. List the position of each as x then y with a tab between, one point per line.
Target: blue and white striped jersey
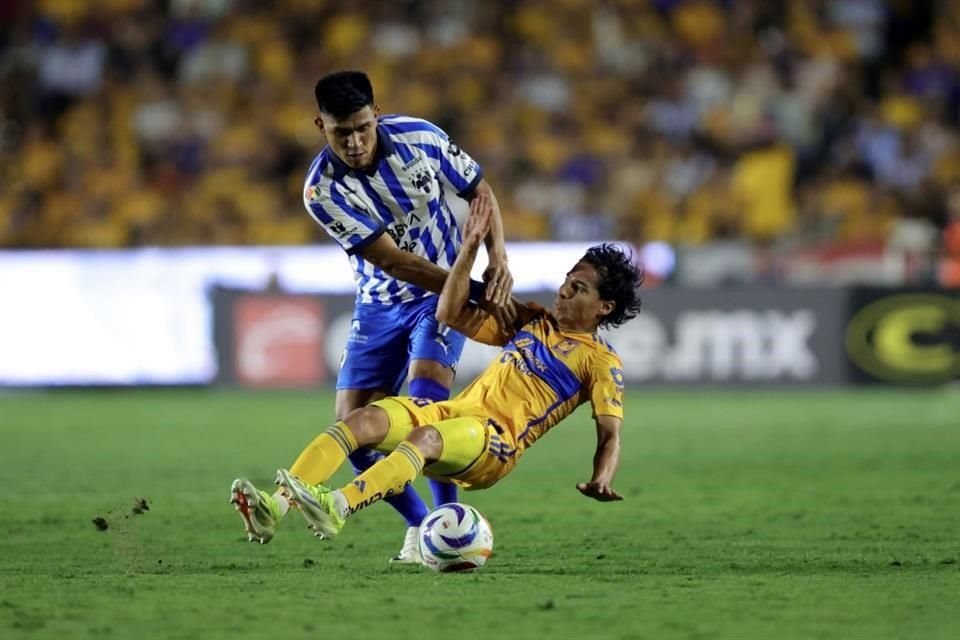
402	194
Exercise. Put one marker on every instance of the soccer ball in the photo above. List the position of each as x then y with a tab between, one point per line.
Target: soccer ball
455	537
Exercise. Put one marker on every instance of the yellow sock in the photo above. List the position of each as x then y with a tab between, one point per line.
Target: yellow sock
325	454
385	478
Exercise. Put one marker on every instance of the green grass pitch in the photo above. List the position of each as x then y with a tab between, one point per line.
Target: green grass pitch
761	515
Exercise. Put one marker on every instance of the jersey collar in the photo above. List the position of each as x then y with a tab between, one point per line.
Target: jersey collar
582	334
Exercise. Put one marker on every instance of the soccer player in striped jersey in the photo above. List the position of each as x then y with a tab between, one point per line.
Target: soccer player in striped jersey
379	189
551	363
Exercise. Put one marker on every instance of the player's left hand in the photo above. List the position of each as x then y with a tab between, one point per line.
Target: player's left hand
499	282
598	491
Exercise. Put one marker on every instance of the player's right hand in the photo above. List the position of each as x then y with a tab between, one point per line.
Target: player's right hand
499	282
506	315
598	491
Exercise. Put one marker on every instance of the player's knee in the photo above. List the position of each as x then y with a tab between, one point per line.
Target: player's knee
369	425
428	440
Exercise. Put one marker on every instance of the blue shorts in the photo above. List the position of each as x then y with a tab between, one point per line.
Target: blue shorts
385	338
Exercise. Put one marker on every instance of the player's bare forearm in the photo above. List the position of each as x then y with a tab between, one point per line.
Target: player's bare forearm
497	275
404	265
605	461
455	308
456	290
419	272
494	240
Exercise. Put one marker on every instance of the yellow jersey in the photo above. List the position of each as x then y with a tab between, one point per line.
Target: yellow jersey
540	377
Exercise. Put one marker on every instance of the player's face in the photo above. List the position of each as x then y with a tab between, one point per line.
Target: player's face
354	138
578	306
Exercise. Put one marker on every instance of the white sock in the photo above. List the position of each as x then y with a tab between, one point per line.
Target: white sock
283	502
341	504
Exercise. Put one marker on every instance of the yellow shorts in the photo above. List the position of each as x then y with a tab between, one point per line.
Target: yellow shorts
476	453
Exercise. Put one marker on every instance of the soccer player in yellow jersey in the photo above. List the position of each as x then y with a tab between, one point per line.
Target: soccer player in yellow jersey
551	363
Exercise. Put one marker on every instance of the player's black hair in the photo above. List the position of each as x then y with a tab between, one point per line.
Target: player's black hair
343	93
619	280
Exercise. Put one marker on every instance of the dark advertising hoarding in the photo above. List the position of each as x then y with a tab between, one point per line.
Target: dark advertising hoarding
903	336
737	336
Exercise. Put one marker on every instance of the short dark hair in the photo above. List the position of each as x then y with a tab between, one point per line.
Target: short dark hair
619	280
343	93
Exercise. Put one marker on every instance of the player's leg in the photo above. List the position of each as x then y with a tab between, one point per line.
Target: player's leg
450	445
365	429
434	351
262	512
431	380
383	426
374	359
347	402
374	365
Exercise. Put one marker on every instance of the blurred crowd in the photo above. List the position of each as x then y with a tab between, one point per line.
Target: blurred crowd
772	122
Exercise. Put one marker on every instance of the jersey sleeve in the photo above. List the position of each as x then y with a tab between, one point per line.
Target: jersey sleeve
490	332
455	166
606	386
352	228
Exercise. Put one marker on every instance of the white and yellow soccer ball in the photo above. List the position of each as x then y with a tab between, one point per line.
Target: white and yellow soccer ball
455	537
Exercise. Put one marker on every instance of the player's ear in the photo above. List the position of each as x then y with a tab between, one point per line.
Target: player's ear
607	307
376	111
319	122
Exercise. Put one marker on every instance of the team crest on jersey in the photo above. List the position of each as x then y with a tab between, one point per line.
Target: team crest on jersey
565	346
422	181
312	193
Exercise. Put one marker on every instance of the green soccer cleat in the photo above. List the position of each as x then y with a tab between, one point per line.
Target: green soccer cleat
259	510
316	503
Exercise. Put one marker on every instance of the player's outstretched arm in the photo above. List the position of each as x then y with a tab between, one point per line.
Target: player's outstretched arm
454	308
455	297
497	275
404	265
605	461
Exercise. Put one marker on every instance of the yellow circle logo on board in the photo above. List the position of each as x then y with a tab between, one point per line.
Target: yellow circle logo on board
912	338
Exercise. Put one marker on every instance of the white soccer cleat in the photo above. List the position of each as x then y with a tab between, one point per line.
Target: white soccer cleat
257	508
410	551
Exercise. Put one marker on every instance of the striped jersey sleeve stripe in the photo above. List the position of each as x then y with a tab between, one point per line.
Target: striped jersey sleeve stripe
344	206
